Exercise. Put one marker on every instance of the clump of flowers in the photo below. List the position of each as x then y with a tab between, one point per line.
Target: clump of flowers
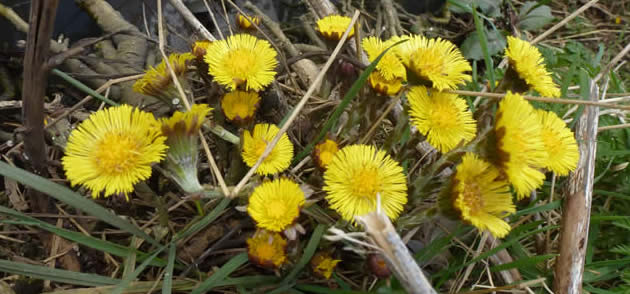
267	249
157	81
254	144
357	175
526	61
323	264
442	117
113	150
324	152
478	196
275	205
332	27
240	106
242	61
434	63
244	23
182	133
560	144
519	145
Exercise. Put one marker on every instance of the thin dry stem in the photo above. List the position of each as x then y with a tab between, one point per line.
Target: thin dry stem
298	107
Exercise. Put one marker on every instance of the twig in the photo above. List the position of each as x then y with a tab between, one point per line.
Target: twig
213	164
396	254
542	99
297	108
192	20
564	21
577	208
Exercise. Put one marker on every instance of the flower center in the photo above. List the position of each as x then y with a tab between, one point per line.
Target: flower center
240	62
116	153
366	182
265	251
443	117
240	110
552	142
472	197
276	209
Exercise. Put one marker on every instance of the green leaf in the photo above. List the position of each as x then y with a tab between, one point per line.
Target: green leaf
533	18
220	275
483	41
471	48
57	275
354	90
488	7
308	253
523	262
71	198
89	241
168	275
204	222
128	278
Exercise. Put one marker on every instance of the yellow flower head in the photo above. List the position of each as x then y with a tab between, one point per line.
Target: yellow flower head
390	67
519	145
181	131
323	264
157	80
267	249
356	174
244	23
254	145
441	117
434	61
113	150
324	152
200	48
332	27
527	61
240	106
559	143
275	205
383	86
185	123
242	60
480	198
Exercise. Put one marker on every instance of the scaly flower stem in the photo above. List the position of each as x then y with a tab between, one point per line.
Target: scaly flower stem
222	133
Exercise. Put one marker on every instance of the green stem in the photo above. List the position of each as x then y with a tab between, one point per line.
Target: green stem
199	207
82	86
222	133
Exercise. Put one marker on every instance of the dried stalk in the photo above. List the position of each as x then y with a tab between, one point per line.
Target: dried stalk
577	208
192	20
396	254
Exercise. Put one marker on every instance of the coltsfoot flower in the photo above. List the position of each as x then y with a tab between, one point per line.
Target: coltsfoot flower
254	144
529	64
332	27
275	205
267	249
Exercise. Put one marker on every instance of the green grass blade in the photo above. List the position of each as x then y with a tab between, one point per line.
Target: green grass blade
57	275
483	39
523	262
437	246
323	290
168	275
88	241
220	275
447	272
129	278
82	87
308	253
71	198
204	222
537	208
354	90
